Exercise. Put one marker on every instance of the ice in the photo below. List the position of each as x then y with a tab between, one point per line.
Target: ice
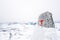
4	36
16	31
42	33
58	30
28	32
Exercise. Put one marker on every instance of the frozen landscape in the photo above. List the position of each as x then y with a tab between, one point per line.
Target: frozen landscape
16	31
19	20
22	31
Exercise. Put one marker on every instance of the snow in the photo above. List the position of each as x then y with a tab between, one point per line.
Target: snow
42	33
29	32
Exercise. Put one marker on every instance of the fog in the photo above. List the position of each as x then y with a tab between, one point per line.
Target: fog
27	10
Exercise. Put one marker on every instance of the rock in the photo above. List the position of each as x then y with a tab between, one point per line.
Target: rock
46	20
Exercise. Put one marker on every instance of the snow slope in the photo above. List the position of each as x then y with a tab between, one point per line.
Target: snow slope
28	32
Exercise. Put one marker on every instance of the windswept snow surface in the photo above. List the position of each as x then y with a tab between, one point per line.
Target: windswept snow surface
28	32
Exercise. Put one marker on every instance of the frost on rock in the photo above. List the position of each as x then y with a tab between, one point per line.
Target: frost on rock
46	20
46	28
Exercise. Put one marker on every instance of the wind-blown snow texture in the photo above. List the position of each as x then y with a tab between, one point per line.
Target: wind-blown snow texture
28	32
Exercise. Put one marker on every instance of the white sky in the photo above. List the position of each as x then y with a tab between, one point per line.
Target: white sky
27	10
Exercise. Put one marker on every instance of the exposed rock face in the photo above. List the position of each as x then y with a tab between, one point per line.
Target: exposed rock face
46	20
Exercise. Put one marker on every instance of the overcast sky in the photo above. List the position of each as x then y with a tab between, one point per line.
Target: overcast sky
27	10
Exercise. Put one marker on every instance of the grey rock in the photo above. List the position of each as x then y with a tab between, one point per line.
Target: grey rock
46	20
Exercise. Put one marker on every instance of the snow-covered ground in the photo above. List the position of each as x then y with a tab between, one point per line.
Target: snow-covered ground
26	32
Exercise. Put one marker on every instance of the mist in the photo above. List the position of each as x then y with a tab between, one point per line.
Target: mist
27	10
